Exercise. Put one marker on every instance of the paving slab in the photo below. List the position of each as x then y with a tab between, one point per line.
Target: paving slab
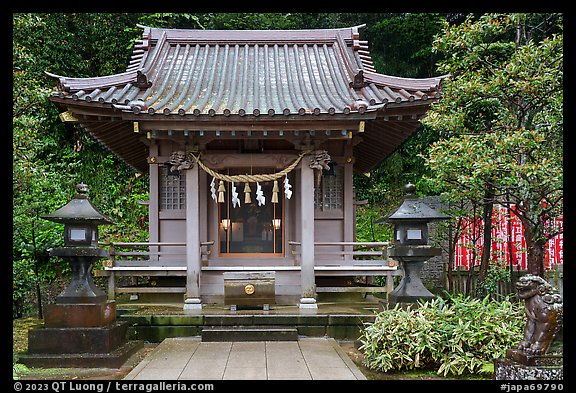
189	358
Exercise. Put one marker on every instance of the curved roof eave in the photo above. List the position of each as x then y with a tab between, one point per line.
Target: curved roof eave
425	84
254	75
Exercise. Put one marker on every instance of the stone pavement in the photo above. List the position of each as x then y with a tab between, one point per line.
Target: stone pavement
189	358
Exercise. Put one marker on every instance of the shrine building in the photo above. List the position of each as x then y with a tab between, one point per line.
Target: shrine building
250	139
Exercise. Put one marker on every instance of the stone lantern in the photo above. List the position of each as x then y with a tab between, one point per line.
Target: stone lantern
80	329
410	246
81	220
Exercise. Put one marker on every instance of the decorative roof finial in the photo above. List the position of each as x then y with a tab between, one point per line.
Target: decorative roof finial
142	81
409	189
82	188
358	81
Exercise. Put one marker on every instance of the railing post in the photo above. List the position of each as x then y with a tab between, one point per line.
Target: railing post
205	252
389	283
112	253
112	286
294	252
112	276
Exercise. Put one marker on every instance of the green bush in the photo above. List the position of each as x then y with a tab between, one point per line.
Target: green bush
454	335
18	370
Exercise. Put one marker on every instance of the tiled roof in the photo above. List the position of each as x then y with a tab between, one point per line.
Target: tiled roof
177	73
254	72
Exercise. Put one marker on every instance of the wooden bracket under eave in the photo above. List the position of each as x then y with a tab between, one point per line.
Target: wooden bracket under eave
67	117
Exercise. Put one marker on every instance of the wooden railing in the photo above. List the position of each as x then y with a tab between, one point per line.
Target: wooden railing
364	250
352	259
152	254
145	259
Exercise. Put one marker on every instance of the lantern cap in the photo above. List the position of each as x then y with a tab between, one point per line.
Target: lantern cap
413	209
79	210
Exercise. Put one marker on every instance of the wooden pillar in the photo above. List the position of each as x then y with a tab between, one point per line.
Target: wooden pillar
153	202
193	257
307	279
348	202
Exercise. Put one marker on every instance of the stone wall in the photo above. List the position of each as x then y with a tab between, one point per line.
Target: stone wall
434	270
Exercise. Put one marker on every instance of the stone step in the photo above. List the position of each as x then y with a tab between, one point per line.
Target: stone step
249	333
157	327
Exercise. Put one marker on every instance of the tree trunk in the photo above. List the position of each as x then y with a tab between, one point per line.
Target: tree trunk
487	236
36	271
451	256
454	233
474	240
535	250
38	291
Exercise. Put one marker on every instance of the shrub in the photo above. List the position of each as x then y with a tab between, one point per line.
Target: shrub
454	335
18	370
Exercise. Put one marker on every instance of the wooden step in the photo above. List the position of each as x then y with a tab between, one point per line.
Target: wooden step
249	333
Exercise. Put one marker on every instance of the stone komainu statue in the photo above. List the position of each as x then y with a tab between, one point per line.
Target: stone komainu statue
544	310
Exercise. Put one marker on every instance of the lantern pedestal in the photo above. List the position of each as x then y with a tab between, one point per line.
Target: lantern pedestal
411	289
80	329
80	315
99	347
81	333
81	288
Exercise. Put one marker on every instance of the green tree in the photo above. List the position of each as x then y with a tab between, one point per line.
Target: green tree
502	108
268	21
403	47
50	157
171	20
30	182
399	46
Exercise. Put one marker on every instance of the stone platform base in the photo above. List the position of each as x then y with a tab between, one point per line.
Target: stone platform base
519	356
103	339
79	315
114	359
102	346
156	328
508	369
